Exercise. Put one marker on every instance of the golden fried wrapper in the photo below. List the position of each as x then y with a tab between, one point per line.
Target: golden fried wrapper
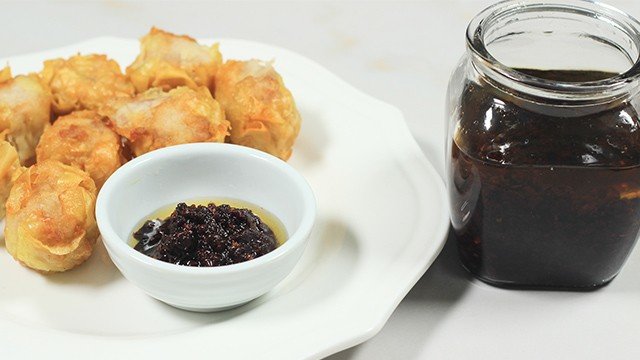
84	82
157	119
168	61
25	111
50	222
9	163
261	110
5	74
82	139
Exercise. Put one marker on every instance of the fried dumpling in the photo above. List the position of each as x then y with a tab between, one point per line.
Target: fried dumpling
50	222
167	61
157	119
9	163
261	110
25	111
82	139
84	82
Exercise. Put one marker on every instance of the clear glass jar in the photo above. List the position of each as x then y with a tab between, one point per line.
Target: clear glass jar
543	150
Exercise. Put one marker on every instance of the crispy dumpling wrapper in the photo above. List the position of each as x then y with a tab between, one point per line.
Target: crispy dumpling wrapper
168	61
84	82
50	221
261	110
157	119
25	112
83	140
9	164
5	74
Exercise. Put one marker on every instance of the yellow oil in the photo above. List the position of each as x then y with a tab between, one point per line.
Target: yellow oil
265	216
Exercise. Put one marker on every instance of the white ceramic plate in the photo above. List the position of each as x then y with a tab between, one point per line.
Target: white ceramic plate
382	220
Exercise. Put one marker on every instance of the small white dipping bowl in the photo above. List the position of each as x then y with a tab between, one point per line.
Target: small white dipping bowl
200	171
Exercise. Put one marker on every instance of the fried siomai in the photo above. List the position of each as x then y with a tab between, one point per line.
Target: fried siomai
82	139
9	163
157	119
50	222
167	61
261	110
84	82
25	111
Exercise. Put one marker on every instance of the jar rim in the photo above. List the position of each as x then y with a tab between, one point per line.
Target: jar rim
564	90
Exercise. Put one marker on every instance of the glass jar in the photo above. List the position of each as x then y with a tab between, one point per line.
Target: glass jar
543	150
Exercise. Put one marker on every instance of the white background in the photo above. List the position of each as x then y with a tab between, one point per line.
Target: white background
402	53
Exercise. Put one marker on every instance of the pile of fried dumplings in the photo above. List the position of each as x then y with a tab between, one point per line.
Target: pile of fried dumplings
66	129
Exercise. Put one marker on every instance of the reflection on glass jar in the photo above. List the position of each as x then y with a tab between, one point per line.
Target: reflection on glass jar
543	150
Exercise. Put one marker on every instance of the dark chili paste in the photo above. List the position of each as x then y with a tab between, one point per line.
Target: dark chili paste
199	235
544	196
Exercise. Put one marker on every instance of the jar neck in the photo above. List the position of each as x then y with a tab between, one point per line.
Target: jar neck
557	35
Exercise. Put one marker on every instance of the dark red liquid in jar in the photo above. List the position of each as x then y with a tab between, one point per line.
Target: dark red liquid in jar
542	196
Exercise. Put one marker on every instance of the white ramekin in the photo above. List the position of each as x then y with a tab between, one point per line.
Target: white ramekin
200	171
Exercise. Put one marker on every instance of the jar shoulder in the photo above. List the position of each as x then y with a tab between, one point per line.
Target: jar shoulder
495	126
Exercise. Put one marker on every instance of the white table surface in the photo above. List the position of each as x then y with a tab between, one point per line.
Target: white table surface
401	53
